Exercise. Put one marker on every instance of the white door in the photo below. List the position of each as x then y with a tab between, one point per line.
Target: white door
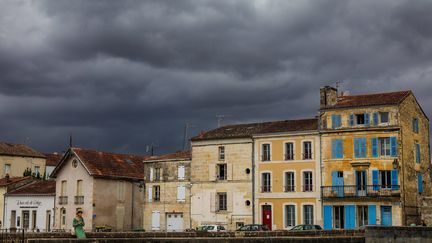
174	222
155	220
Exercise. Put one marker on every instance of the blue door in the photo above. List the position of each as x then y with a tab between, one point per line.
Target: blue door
386	215
338	183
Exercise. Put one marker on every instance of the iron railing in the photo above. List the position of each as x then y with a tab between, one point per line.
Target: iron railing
360	191
63	200
265	188
289	156
79	199
307	188
265	157
290	188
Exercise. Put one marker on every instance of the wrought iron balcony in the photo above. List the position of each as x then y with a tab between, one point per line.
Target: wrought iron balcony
289	156
360	191
290	188
79	199
307	188
265	157
307	155
266	188
63	200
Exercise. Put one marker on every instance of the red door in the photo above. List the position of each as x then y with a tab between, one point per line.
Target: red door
267	216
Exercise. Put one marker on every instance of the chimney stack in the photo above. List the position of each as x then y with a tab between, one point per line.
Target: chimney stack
328	96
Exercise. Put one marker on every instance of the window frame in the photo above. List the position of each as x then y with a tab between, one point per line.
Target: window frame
265	152
307	155
289	156
222	197
286	186
218	171
221	153
156	193
293	218
387	146
304	214
266	187
380	117
305	179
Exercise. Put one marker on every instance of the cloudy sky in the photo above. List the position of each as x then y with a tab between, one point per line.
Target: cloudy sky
119	75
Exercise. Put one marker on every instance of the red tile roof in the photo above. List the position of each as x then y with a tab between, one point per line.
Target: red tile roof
13	180
53	159
36	188
247	130
177	155
108	165
392	98
19	150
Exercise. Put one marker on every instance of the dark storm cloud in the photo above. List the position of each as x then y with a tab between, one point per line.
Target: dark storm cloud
122	74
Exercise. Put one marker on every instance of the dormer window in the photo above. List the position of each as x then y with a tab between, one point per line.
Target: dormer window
360	119
384	117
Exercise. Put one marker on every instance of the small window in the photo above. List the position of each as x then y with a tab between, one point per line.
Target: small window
265	152
157	172
384	117
156	191
360	119
307	150
362	216
289	151
222	171
221	153
415	125
221	201
308	215
307	181
266	182
289	182
7	169
385	178
385	148
290	217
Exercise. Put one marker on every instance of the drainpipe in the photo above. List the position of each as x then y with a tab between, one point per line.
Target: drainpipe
321	166
253	180
132	203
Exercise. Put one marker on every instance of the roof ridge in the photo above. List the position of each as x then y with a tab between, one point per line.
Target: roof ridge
105	152
265	122
393	92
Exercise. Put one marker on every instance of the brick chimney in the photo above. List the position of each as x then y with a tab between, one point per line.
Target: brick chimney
328	96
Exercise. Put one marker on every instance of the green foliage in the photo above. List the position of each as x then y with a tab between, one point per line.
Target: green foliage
27	172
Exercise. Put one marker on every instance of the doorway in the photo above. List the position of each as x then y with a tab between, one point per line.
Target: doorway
267	216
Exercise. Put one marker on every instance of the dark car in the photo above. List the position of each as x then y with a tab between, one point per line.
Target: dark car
306	227
254	227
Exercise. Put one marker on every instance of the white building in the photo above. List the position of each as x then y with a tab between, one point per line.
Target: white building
30	207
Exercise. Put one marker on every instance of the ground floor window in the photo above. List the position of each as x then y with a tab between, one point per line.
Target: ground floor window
289	215
26	219
308	214
362	215
63	216
338	217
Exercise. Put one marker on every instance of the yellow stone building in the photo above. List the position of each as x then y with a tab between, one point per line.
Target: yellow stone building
375	158
288	178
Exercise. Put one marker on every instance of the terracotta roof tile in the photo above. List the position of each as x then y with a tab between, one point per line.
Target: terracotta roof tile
53	159
247	130
37	187
177	155
111	165
392	98
19	150
12	180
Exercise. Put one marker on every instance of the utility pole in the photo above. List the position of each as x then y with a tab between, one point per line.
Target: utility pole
186	135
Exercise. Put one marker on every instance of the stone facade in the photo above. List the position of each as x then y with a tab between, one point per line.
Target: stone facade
167	202
223	198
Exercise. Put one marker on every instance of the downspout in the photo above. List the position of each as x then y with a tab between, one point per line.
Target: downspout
253	180
321	166
403	164
132	204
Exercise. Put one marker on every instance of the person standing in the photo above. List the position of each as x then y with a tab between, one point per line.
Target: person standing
78	224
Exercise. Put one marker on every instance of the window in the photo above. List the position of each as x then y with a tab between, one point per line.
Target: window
63	188
385	179
13	219
289	182
419	183
266	182
308	214
157	172
385	148
417	153
336	121
221	201
290	216
7	169
339	217
151	174
34	219
337	149
307	181
289	151
181	193
221	153
384	117
415	125
360	119
79	188
156	191
360	147
63	217
307	150
266	152
26	219
120	190
181	172
222	171
37	170
362	215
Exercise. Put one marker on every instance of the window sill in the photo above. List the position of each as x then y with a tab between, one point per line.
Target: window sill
222	211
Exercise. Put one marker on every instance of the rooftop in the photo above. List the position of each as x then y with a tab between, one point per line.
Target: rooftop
186	155
247	130
392	98
36	187
19	150
53	159
13	180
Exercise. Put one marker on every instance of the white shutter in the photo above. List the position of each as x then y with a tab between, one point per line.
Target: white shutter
155	220
230	201
230	168
181	172
212	172
151	174
181	193
213	203
150	194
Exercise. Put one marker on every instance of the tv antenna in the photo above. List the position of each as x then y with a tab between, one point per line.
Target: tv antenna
220	119
150	148
186	135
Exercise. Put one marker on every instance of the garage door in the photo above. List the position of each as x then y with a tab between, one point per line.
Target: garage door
174	222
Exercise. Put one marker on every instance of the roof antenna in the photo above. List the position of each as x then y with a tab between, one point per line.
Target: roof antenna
70	140
337	86
150	148
186	135
220	119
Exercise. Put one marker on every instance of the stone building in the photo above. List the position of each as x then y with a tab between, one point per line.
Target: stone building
107	186
375	158
288	175
167	202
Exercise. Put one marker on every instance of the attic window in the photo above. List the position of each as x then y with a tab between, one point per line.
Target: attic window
360	118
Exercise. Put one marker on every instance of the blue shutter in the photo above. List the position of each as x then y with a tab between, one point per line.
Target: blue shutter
375	147
394	180
349	216
367	119
356	148
328	215
375	118
351	120
420	182
333	121
334	179
340	149
418	158
363	148
393	144
338	121
334	143
372	214
375	180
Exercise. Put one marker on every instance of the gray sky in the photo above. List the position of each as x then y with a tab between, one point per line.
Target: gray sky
122	74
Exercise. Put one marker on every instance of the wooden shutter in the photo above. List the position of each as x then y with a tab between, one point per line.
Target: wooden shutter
150	194
155	220
328	215
181	193
367	119
394	180
351	120
375	147
230	201
372	214
375	180
212	172
151	174
393	144
213	202
181	172
375	118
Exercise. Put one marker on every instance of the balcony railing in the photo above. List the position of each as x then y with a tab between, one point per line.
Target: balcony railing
307	155
79	199
290	188
265	157
63	200
265	188
360	191
307	188
289	156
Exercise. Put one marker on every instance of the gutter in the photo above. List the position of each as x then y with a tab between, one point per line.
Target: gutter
253	180
321	167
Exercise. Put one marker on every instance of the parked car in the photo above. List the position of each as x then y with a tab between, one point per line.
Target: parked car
253	227
214	228
306	227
